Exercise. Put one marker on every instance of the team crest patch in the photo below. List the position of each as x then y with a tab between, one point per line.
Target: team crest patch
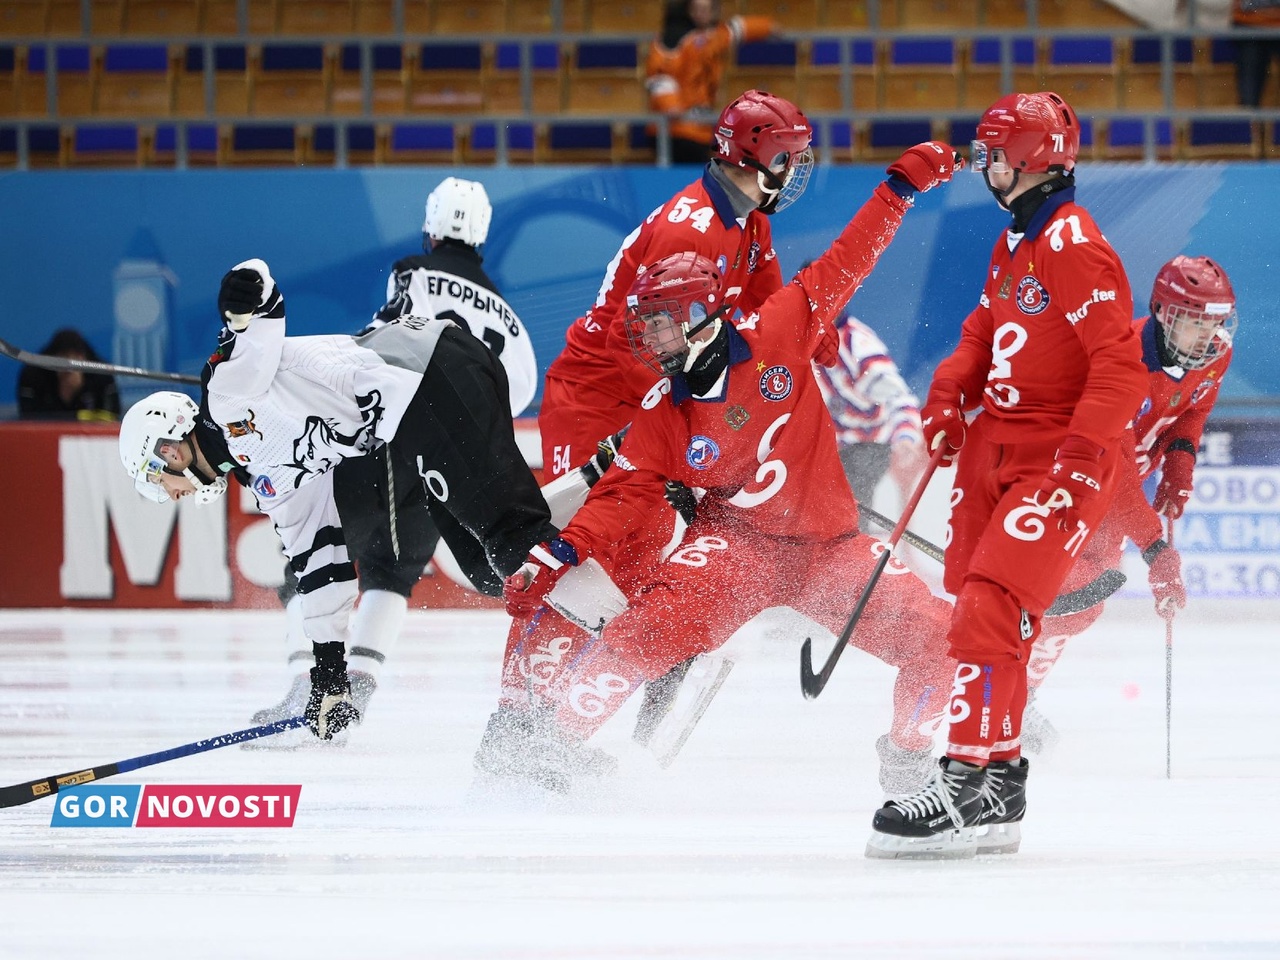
722	264
736	416
1006	287
1202	388
262	486
753	256
242	428
775	383
702	452
1033	298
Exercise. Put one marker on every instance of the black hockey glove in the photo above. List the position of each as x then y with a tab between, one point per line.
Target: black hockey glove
248	291
682	500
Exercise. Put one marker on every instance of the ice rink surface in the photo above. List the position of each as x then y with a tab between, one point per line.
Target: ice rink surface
750	846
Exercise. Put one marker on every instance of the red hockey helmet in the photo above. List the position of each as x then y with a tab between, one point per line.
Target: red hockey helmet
1035	132
1195	306
675	298
771	136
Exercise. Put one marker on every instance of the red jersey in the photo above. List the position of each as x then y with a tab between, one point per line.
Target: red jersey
1050	349
698	218
1178	401
764	447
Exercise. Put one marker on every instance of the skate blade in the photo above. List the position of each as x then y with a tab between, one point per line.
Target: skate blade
704	679
999	839
958	844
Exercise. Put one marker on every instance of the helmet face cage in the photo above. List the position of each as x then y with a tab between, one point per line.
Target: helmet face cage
1195	306
670	299
657	331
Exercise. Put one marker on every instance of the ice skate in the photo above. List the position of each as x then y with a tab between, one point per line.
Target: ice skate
1039	736
294	702
522	745
363	686
1004	801
936	823
902	771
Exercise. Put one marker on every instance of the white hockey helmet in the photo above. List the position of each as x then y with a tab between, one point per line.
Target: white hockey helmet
458	210
162	417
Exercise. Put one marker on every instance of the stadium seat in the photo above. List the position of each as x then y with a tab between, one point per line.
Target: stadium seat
503	92
578	142
23	18
1142	79
1215	71
123	145
1084	70
767	65
260	145
1218	138
1123	138
623	16
313	17
201	145
230	82
45	147
481	142
921	74
983	78
289	80
106	19
388	78
136	81
1004	14
1086	14
930	15
882	140
833	141
419	143
1271	139
466	16
372	17
158	18
821	78
791	14
8	146
29	85
323	143
605	78
845	14
446	78
64	18
76	74
529	16
221	18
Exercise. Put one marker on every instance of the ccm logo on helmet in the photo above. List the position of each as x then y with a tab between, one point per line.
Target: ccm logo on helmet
1082	311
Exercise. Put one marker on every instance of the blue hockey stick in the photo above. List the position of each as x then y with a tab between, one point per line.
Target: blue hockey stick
21	793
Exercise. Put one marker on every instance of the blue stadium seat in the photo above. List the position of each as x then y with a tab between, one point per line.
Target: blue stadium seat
1083	70
1220	139
75	80
482	145
820	78
105	145
921	74
361	143
605	78
447	78
136	81
347	92
421	143
502	89
1126	139
1141	84
983	78
578	143
886	139
290	80
766	65
261	145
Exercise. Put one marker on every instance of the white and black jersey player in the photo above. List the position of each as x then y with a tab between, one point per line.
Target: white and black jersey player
282	412
392	539
448	280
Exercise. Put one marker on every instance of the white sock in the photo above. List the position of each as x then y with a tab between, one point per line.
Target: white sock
375	628
297	646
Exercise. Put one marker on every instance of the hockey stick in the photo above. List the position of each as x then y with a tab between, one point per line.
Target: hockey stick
21	793
1091	594
1168	677
811	683
46	362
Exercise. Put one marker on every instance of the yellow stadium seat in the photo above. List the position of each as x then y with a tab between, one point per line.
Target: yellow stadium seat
312	17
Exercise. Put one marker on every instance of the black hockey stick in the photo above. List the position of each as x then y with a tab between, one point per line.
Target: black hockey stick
21	793
1091	594
46	362
812	683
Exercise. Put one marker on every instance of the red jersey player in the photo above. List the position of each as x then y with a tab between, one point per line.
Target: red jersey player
1186	348
1052	359
744	421
594	387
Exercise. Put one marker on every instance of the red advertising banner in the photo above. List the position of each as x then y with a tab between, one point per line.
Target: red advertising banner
76	534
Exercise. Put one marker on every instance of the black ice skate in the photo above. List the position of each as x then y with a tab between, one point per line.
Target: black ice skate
936	823
1004	801
902	771
522	745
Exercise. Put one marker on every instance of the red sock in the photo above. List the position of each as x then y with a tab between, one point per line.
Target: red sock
981	700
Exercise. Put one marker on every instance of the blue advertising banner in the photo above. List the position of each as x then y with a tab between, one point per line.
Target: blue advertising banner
133	258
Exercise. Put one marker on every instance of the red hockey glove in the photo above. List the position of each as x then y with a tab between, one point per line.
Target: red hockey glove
942	420
926	165
1164	573
1072	482
827	352
1175	483
526	589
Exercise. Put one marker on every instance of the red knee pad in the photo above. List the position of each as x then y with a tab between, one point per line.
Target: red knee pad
989	625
